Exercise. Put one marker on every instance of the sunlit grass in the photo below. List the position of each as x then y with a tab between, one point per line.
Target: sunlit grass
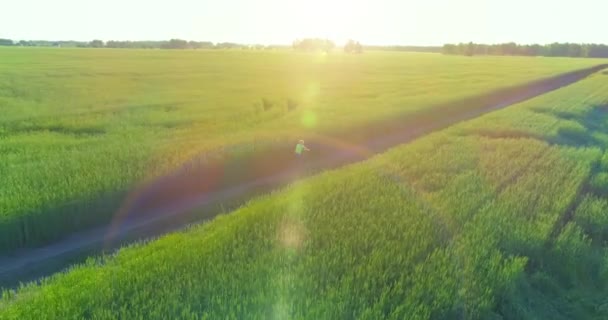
80	127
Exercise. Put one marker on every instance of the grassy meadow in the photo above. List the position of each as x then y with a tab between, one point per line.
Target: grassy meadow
501	217
80	128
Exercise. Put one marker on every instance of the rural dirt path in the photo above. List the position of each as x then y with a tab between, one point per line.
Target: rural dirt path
194	195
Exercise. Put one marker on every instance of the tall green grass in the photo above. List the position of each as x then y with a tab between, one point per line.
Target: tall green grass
80	128
495	218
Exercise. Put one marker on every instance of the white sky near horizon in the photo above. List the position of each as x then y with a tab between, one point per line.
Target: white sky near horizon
411	22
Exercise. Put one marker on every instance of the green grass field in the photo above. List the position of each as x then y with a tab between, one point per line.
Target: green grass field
80	128
501	217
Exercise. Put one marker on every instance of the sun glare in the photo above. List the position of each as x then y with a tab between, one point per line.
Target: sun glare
334	20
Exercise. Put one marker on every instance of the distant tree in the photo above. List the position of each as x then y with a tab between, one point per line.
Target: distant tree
200	45
313	44
358	47
96	44
72	44
433	49
353	46
585	51
535	50
575	50
171	44
228	45
193	45
6	42
328	45
511	48
558	50
449	49
597	51
349	47
469	49
113	44
175	44
480	49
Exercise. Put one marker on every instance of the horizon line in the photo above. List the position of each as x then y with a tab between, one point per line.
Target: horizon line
289	44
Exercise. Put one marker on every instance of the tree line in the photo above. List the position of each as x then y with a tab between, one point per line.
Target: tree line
169	44
430	49
514	49
313	44
306	45
319	44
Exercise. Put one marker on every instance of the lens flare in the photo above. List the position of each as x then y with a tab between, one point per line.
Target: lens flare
309	119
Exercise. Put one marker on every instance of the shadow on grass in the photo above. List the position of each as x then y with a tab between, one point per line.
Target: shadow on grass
567	280
589	130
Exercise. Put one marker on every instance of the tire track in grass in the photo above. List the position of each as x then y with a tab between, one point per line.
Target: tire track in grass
585	187
567	216
514	175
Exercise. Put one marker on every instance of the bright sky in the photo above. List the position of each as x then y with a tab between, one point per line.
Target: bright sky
413	22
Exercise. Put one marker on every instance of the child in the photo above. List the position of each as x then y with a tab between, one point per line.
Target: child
300	148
